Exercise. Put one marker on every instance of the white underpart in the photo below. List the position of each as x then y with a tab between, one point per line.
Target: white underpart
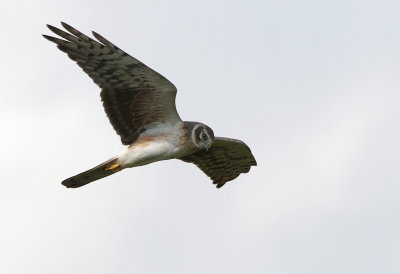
163	145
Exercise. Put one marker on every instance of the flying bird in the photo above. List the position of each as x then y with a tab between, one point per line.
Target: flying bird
140	104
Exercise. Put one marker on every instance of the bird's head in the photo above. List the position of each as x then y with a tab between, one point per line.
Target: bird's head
203	137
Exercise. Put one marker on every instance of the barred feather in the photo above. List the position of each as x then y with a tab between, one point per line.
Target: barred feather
133	94
225	161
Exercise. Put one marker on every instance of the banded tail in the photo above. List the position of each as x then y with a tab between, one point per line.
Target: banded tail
105	169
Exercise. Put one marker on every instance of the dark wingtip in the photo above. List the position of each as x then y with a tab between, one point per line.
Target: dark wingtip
104	41
53	28
48	37
65	25
70	29
99	37
95	34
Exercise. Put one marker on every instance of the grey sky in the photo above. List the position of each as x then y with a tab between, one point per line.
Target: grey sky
311	86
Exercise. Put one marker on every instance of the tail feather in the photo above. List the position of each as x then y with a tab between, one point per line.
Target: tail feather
105	169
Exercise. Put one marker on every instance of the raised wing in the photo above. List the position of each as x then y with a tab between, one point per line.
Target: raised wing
225	160
133	94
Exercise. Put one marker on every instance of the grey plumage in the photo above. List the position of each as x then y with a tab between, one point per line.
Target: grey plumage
225	160
93	174
128	87
140	104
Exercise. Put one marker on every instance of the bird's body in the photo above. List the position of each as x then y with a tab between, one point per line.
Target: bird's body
156	145
140	104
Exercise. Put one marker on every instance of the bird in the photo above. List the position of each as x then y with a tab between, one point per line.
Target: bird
140	105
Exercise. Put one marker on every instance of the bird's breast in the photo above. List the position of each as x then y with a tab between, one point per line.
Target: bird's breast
147	150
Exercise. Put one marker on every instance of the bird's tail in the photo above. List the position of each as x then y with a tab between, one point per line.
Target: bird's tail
105	169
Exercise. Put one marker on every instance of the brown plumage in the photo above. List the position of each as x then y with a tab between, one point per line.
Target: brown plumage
140	104
225	160
128	87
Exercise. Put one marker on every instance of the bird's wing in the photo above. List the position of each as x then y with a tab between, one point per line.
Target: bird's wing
133	94
225	160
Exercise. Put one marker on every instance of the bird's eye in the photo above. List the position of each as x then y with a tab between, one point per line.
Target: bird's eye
204	136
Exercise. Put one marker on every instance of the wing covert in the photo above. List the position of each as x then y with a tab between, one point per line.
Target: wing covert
133	94
225	160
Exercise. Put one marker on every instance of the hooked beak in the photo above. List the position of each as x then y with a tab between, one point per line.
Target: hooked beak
209	146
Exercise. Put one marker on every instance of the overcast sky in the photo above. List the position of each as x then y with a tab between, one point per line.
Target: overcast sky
312	87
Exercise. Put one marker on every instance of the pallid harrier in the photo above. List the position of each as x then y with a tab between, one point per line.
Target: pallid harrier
140	104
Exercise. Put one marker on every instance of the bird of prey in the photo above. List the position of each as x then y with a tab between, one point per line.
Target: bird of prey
140	104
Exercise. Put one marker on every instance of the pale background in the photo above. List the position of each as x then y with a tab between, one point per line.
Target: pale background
312	87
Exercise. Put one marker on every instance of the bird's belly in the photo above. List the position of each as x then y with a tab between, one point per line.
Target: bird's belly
149	151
